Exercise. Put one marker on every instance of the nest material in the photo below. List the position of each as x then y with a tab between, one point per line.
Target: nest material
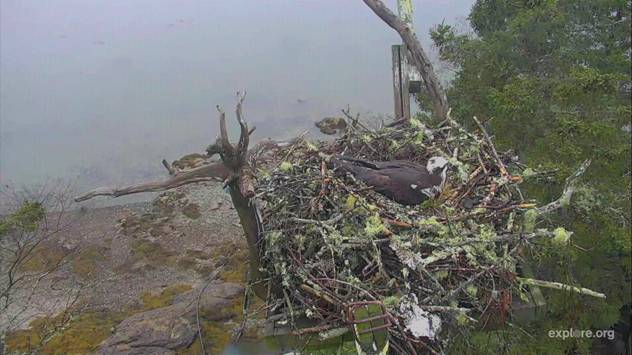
331	242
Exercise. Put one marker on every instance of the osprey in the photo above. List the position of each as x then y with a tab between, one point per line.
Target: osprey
403	181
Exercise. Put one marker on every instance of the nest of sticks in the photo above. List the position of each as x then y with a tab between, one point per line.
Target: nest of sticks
336	247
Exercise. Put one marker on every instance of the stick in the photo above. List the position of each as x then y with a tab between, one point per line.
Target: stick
569	188
501	166
561	286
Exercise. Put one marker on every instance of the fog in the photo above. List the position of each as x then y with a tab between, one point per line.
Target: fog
100	91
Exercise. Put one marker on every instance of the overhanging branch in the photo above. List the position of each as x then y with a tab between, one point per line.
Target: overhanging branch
213	171
418	55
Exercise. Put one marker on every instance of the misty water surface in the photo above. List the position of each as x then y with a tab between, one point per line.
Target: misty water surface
102	90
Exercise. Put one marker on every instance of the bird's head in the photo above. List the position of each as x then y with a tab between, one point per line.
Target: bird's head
436	163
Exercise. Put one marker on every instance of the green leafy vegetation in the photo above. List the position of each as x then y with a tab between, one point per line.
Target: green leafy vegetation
26	218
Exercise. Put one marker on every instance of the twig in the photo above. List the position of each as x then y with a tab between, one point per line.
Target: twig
569	188
561	286
501	166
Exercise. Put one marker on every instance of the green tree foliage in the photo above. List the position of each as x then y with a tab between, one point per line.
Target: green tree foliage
25	219
546	76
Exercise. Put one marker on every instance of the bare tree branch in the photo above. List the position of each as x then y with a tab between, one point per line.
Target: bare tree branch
419	57
213	171
569	188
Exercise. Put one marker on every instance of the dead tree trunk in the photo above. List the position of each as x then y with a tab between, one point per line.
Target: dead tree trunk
417	54
236	172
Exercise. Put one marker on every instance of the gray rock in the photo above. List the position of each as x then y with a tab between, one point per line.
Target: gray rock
161	331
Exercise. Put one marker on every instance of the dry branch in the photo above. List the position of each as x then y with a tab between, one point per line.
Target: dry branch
569	188
561	286
419	57
213	171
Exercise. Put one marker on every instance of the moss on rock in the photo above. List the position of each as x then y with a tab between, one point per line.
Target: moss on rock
165	297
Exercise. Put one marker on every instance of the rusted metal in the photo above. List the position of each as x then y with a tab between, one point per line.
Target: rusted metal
385	316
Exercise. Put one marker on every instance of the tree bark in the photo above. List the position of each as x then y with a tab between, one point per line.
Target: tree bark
417	54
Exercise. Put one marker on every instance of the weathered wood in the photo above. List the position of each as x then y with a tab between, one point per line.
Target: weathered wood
252	226
569	189
401	85
397	83
420	59
213	171
413	79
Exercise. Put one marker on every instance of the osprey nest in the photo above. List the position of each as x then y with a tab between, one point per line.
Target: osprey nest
352	261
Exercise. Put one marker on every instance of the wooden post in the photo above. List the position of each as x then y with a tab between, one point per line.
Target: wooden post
406	79
398	79
416	55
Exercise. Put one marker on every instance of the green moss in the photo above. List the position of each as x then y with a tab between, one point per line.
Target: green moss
85	263
192	210
236	269
81	335
186	263
374	225
216	334
164	298
44	257
216	339
236	258
189	161
562	236
152	252
198	254
285	166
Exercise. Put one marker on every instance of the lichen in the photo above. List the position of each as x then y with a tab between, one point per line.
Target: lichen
561	236
374	225
286	166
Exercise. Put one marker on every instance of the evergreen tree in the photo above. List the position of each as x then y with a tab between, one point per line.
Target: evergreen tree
549	78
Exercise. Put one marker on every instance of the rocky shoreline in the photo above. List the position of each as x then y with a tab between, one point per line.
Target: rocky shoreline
148	274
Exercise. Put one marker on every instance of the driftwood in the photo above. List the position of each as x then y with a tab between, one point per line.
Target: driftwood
418	56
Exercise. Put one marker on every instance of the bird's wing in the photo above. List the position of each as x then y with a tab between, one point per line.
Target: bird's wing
399	164
381	165
361	162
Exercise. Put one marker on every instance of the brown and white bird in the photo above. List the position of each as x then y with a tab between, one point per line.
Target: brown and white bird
403	181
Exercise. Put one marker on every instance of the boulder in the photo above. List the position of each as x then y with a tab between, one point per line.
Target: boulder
161	331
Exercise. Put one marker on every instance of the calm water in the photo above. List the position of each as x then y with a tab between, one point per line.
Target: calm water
103	90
